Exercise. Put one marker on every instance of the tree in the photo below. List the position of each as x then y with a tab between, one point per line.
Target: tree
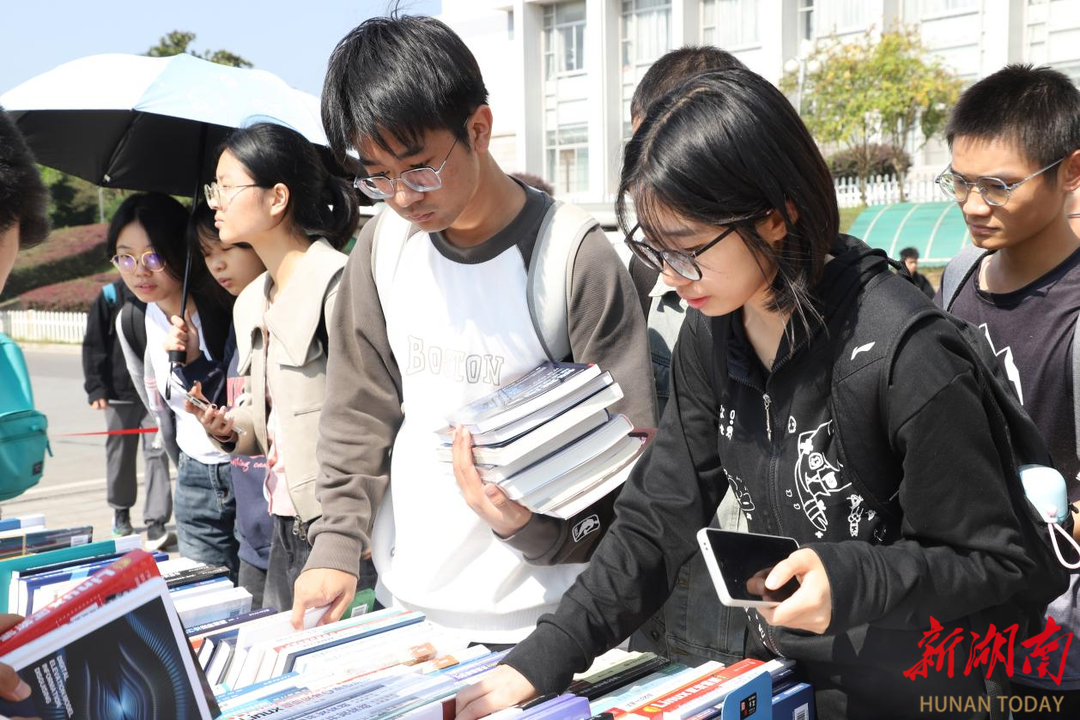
861	92
179	41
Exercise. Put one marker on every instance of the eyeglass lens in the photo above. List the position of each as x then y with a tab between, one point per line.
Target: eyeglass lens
994	191
681	263
150	260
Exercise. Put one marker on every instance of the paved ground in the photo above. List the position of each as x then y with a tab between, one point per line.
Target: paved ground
72	490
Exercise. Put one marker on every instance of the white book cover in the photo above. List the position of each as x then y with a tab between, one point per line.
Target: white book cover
213	606
573	500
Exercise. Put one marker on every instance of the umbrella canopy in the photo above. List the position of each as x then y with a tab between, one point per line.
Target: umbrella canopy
151	124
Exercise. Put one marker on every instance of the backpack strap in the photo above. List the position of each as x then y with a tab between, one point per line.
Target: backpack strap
889	307
958	271
133	324
392	233
109	291
1076	385
551	273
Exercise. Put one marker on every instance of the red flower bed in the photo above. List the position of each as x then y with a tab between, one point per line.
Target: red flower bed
68	253
73	295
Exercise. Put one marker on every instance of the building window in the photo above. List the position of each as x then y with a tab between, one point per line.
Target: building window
852	14
564	38
806	19
568	158
645	35
739	26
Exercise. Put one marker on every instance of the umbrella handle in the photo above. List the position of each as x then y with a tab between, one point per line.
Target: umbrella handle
177	357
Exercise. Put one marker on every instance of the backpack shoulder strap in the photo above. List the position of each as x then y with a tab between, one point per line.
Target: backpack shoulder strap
889	307
133	324
1076	383
551	273
387	246
958	271
109	291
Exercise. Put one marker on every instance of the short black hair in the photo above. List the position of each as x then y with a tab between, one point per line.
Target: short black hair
320	204
200	225
1038	108
23	196
402	75
909	253
725	148
675	68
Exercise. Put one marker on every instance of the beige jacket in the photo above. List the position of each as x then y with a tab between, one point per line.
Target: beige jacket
294	367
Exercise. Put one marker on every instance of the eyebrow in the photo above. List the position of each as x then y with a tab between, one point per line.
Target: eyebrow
409	151
999	174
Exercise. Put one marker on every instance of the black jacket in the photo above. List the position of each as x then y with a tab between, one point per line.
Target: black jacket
105	371
769	437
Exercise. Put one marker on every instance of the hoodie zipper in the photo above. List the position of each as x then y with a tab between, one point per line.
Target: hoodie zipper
768	423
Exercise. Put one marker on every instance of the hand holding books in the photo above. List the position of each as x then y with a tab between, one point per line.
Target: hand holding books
489	501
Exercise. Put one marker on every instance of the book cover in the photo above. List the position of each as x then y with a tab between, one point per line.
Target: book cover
19	564
195	631
125	574
128	658
43	540
23	521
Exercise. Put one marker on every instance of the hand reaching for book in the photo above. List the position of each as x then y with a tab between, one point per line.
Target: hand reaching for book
502	687
505	516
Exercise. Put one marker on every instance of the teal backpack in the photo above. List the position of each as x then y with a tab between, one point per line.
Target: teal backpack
23	437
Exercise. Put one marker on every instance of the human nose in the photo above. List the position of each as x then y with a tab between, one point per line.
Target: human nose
404	195
672	278
975	204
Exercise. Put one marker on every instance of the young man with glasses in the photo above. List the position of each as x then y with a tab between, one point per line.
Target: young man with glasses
1015	141
449	321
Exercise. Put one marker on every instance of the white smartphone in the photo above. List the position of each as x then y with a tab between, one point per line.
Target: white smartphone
740	562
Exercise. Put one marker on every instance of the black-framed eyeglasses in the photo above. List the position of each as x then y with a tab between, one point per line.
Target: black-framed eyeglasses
128	263
994	191
215	194
683	263
421	179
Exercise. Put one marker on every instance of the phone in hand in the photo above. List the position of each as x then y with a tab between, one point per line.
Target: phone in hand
739	563
203	405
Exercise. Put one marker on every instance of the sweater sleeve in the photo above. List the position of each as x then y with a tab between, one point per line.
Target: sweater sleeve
95	350
607	327
960	549
360	417
674	490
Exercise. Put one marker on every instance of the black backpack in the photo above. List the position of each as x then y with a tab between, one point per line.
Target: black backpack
861	373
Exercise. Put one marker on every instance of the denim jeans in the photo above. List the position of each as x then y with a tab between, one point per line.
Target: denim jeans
206	514
289	551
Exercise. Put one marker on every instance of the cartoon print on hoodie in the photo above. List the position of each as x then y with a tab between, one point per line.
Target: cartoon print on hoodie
815	477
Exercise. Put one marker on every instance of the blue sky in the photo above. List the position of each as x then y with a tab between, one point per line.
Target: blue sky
291	38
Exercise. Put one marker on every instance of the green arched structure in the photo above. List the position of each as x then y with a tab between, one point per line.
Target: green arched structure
936	229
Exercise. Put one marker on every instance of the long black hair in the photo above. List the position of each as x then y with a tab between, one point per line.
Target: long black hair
724	148
320	203
165	221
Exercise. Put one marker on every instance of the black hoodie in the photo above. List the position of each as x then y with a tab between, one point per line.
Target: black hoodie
956	549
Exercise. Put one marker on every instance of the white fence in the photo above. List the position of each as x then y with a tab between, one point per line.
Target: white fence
884	189
43	326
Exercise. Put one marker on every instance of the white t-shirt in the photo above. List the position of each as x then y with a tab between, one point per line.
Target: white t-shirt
190	435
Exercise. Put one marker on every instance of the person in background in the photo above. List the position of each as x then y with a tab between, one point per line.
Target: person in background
109	389
234	267
910	257
146	239
1015	143
24	222
273	193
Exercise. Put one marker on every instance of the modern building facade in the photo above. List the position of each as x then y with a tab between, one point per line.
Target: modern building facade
561	74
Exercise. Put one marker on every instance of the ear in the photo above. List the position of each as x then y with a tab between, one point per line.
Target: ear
772	228
279	200
1070	172
478	128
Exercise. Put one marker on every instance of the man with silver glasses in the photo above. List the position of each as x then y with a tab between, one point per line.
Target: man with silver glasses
1015	141
433	312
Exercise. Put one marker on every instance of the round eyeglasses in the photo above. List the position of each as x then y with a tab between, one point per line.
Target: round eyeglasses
129	263
422	179
994	191
681	262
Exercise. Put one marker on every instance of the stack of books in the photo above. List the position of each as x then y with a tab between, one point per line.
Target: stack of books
27	534
548	440
111	647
